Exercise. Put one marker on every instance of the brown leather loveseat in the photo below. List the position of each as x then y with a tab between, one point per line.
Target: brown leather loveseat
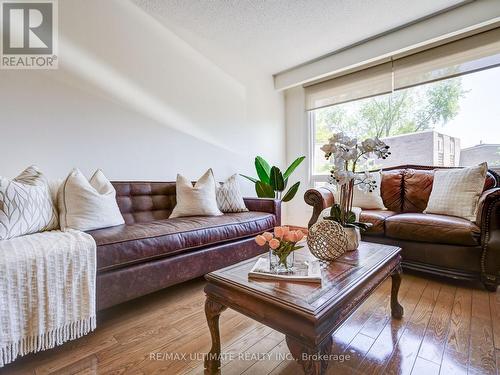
150	252
438	244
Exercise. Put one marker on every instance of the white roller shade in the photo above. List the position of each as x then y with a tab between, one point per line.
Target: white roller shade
460	57
368	82
456	58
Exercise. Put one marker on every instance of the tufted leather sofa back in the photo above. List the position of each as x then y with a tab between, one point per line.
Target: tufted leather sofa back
141	202
408	188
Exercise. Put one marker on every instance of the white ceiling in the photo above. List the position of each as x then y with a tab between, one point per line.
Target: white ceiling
274	35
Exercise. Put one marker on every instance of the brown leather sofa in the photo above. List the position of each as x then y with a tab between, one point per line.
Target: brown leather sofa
150	252
438	244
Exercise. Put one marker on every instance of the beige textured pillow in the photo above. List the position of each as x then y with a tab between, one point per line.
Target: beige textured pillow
229	198
197	200
456	192
87	205
26	205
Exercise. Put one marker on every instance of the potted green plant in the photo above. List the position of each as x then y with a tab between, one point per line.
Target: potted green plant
271	182
344	153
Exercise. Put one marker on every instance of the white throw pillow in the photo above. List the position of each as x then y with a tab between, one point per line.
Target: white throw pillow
26	205
229	198
365	200
370	200
54	186
197	200
87	205
456	192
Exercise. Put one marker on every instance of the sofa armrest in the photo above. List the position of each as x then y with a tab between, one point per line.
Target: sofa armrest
272	206
488	218
319	198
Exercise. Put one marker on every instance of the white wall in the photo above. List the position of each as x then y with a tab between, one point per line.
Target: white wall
134	99
297	143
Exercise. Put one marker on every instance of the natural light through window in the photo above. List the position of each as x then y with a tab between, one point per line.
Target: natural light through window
452	122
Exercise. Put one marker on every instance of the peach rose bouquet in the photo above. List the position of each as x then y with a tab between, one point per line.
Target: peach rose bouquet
281	244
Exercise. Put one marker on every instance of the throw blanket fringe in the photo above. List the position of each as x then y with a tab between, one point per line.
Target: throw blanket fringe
47	291
47	340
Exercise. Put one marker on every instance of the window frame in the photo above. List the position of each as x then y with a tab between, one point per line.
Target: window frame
314	178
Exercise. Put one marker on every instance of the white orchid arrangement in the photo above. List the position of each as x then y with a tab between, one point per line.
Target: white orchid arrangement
346	154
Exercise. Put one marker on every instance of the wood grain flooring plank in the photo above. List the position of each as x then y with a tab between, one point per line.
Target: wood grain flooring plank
88	365
387	341
351	327
482	351
434	341
288	367
381	313
268	364
457	343
241	345
495	316
65	356
405	354
425	367
174	321
230	332
356	351
497	355
193	344
453	363
250	357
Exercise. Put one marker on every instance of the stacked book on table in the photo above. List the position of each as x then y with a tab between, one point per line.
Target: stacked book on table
307	271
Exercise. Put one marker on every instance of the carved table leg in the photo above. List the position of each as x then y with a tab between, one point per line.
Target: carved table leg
314	360
213	310
396	308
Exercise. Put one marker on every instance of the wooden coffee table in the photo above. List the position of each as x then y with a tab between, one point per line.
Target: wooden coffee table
306	313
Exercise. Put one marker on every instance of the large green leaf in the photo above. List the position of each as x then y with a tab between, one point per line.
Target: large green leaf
277	182
351	217
264	190
254	180
291	192
263	169
335	212
292	167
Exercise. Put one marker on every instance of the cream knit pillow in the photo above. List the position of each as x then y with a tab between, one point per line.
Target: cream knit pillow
456	192
197	200
87	205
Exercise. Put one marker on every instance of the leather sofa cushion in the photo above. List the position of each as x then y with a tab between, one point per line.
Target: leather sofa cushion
390	189
377	218
433	229
124	245
140	202
417	190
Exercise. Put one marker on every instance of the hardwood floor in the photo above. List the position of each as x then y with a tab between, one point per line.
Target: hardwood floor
448	328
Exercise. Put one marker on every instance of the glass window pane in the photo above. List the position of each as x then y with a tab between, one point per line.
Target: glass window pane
445	123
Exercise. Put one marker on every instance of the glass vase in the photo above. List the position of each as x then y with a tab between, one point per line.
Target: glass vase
281	265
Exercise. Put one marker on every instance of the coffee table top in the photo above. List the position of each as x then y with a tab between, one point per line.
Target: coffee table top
340	278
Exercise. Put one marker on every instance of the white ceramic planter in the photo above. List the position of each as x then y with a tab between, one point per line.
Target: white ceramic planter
353	238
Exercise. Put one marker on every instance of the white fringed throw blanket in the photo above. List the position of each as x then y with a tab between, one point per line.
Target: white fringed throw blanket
47	291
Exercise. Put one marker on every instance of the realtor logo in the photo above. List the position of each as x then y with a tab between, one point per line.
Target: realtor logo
29	34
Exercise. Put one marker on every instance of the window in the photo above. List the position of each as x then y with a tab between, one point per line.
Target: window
432	113
440	143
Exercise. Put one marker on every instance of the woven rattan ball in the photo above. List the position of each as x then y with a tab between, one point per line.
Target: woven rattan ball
327	240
